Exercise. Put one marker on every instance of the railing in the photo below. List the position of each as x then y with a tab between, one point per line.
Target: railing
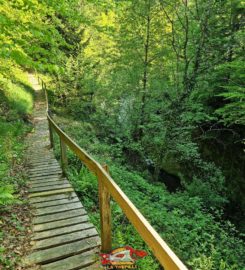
107	189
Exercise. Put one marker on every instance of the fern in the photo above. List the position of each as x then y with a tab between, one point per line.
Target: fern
6	195
233	112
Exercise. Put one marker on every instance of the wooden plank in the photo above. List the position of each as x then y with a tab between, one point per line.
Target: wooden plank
61	231
43	163
49	183
94	266
41	171
46	160
57	209
63	239
51	192
56	202
44	174
55	217
105	216
74	262
57	253
48	188
51	136
48	156
42	166
60	223
37	170
46	179
53	197
40	147
64	160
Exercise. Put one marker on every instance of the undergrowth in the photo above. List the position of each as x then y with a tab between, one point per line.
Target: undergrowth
202	240
16	102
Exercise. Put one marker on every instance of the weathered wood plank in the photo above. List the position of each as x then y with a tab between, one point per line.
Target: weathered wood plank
61	231
59	216
64	159
57	253
41	170
46	179
51	192
43	163
56	202
61	196
57	209
94	266
44	157
63	239
60	223
105	215
44	173
48	188
74	262
49	183
43	167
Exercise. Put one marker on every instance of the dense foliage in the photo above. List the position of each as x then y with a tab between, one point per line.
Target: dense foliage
162	81
202	240
158	86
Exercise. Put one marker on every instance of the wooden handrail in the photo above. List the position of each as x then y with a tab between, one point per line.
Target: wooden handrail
107	188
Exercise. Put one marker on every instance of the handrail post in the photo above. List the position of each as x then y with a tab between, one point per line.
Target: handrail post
51	136
63	154
105	215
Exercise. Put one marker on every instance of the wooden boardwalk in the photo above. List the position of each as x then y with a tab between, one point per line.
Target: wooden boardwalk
63	237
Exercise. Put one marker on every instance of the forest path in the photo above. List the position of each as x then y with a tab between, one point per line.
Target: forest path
63	237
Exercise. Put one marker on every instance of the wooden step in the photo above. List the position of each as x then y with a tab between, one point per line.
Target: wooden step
48	172
48	188
74	262
63	251
63	239
48	183
56	209
45	164
47	179
51	192
61	231
58	216
56	202
45	175
60	223
53	197
40	169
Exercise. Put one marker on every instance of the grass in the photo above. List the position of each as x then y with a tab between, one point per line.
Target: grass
16	94
16	103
